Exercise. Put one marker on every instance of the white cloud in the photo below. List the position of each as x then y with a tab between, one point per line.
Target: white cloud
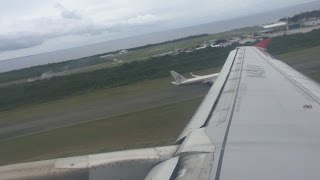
143	19
68	14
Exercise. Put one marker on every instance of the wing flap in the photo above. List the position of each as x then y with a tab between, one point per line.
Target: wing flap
131	164
196	141
163	171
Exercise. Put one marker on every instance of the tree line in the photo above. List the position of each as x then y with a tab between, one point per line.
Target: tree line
58	87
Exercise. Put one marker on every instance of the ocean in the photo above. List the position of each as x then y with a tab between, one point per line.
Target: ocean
210	28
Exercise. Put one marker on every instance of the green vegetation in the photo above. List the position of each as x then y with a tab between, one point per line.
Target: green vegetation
55	67
134	71
295	42
58	87
152	127
104	97
70	104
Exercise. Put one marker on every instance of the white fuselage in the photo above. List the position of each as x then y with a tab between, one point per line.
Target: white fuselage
198	79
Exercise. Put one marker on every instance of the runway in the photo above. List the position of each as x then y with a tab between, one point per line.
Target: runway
100	109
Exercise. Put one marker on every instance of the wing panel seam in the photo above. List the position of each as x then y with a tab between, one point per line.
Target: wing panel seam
221	90
229	125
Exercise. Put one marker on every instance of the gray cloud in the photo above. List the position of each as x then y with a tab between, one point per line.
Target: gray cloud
69	22
19	42
30	39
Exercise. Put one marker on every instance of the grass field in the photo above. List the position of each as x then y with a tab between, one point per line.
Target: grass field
23	113
305	55
91	98
152	127
306	61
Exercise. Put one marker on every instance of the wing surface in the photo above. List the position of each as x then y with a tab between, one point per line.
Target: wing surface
262	117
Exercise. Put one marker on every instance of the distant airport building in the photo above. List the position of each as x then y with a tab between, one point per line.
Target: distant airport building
311	22
279	26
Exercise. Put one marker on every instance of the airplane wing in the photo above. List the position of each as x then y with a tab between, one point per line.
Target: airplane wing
260	120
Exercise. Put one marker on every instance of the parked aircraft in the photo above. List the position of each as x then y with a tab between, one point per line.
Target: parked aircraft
180	80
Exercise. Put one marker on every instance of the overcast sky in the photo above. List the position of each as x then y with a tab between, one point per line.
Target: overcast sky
35	26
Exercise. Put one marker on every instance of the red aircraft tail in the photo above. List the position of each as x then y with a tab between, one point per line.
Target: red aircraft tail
264	44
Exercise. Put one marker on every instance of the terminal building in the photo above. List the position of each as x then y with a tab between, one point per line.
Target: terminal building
282	26
294	25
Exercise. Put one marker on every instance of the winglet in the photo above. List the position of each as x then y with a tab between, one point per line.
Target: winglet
177	77
195	76
264	44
